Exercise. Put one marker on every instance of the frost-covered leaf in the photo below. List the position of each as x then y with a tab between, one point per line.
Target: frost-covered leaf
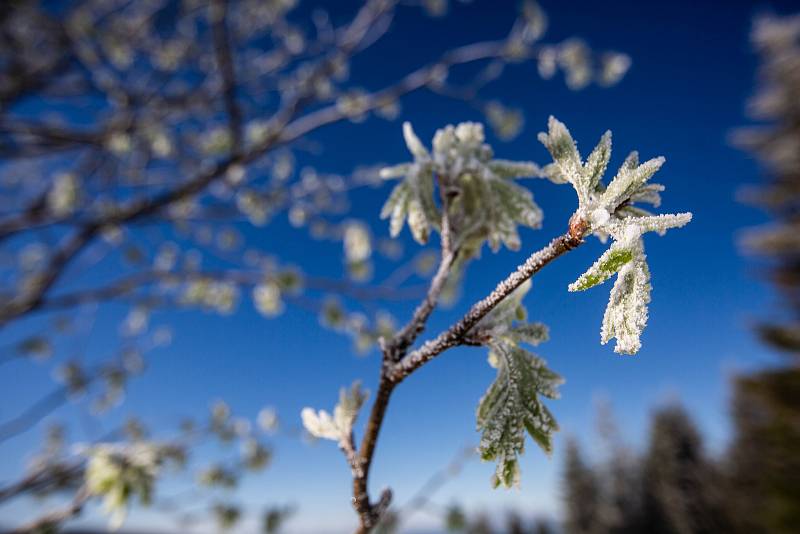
511	406
630	229
561	146
611	210
484	203
413	143
320	424
339	426
628	181
511	205
604	268
649	194
597	162
350	402
120	472
412	200
530	333
504	168
626	314
395	171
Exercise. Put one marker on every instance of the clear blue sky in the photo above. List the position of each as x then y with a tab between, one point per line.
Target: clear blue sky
692	72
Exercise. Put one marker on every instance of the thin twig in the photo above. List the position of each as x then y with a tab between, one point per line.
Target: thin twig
53	519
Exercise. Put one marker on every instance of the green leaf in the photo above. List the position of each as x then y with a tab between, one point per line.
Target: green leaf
511	406
604	268
626	314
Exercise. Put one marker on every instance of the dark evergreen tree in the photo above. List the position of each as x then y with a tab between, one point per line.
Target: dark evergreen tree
481	525
680	486
764	484
581	494
515	524
542	526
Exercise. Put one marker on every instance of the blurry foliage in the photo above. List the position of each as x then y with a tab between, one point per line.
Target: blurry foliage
143	142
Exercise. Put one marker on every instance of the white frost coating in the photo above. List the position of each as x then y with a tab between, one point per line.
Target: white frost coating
599	217
413	143
339	426
62	199
357	242
267	299
320	424
487	205
119	472
626	314
611	210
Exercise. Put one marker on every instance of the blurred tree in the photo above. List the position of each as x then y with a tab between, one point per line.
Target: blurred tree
480	525
581	494
542	526
680	485
764	462
515	524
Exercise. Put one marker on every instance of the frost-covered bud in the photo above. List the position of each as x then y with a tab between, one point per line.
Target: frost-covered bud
506	123
267	299
354	104
547	62
255	455
357	242
118	472
535	21
268	419
598	217
62	199
119	143
161	145
574	59
613	67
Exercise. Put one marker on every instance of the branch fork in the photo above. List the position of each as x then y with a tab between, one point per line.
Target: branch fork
398	362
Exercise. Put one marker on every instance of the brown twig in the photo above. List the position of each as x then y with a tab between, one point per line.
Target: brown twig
395	369
47	522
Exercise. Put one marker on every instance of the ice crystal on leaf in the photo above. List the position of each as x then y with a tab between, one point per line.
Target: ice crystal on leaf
512	405
485	204
611	210
597	203
339	426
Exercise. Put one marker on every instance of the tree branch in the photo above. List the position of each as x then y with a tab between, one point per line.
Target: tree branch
222	47
47	522
456	334
392	373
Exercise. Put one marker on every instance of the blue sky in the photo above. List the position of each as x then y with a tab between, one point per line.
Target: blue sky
692	73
